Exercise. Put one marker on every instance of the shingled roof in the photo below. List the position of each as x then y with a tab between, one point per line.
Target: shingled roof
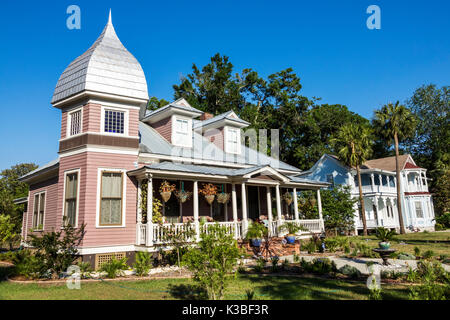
387	163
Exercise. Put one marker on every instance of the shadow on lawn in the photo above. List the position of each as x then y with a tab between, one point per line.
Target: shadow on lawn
187	292
293	288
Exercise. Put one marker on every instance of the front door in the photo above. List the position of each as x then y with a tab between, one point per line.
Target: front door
253	202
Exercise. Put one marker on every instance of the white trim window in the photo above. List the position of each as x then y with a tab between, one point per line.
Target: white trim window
114	121
182	132
38	211
71	196
111	198
233	140
419	210
74	122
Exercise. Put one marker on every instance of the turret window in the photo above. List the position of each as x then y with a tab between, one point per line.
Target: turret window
75	122
39	211
71	198
114	121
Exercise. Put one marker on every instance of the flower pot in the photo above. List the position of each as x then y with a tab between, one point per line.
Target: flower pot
223	197
384	245
209	198
165	195
290	238
256	242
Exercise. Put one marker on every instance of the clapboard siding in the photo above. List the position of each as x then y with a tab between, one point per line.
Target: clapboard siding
64	125
164	128
215	136
51	197
133	123
92	117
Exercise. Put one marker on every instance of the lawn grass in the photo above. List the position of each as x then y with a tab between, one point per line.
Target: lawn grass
272	288
438	242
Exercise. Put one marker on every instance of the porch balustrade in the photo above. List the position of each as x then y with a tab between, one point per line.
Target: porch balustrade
233	228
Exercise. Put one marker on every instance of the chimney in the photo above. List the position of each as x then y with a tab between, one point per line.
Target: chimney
206	116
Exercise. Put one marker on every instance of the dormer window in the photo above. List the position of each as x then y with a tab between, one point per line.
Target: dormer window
182	132
232	140
74	122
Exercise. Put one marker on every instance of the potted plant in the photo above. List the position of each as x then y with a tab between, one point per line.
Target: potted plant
166	189
292	229
384	235
255	232
288	198
209	191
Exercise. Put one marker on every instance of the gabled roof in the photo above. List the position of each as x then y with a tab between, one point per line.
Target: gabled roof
388	163
204	149
106	67
178	106
229	117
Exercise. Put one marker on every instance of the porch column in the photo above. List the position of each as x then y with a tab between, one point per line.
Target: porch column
196	222
139	213
319	206
269	209
372	180
380	177
295	204
244	210
234	206
149	233
277	191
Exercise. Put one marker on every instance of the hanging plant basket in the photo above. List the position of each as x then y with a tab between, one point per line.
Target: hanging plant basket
209	191
166	190
223	198
183	196
288	198
210	198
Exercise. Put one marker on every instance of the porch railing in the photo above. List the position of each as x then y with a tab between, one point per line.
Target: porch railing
233	228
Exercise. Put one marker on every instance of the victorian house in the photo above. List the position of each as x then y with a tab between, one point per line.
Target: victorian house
379	186
118	162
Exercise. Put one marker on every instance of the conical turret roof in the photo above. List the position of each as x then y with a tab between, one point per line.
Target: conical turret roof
106	67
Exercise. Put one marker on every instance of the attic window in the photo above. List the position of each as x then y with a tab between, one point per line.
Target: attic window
114	121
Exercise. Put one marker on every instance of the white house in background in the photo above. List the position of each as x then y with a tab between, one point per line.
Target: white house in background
380	190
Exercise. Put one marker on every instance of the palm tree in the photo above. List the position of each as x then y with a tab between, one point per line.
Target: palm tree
353	143
395	122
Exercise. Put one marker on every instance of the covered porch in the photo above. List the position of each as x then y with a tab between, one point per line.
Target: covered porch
256	193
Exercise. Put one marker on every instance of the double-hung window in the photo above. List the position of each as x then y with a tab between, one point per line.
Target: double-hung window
111	198
183	133
70	199
233	140
38	211
419	211
114	121
75	119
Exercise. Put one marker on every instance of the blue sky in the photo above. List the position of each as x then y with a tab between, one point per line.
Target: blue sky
326	42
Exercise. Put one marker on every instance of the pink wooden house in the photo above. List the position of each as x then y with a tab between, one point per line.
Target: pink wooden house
111	147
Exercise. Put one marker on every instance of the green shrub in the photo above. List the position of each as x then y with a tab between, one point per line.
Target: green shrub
432	271
350	271
405	256
416	251
429	291
310	247
305	266
284	264
260	264
143	263
412	275
428	254
213	259
85	269
274	260
323	266
114	267
296	258
331	244
27	265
